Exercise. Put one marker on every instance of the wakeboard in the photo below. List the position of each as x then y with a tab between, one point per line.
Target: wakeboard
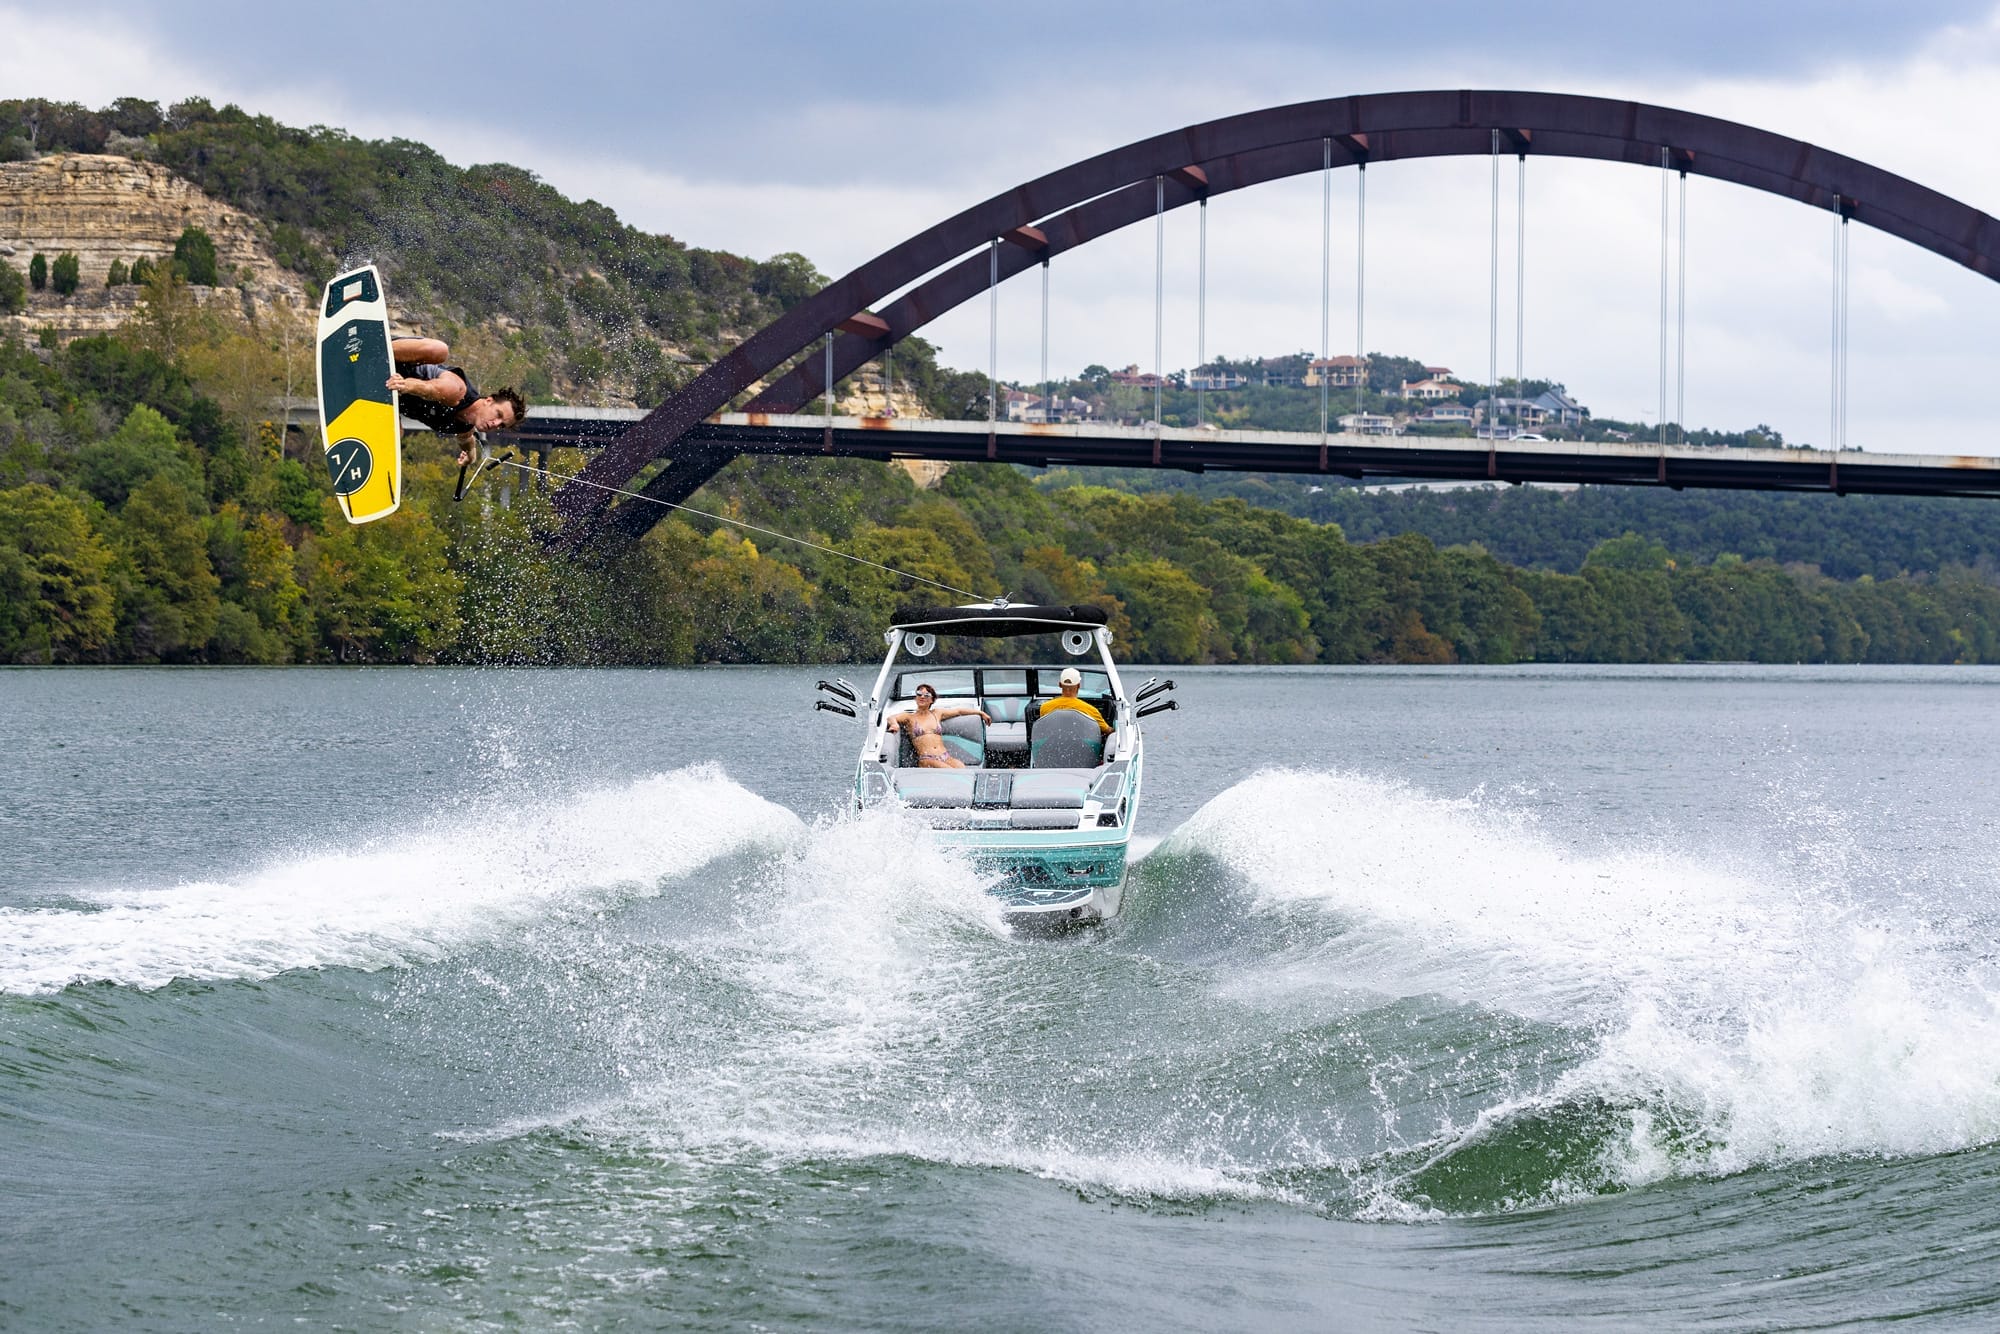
359	421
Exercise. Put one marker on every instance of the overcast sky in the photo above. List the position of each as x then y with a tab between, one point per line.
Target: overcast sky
837	131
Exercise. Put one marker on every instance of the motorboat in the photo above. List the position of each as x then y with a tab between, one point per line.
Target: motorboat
1041	800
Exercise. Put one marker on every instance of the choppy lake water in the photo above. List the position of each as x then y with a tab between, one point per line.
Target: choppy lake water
1444	999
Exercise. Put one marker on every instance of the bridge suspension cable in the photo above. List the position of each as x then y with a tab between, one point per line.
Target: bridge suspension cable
1361	289
1520	282
1159	293
1681	318
1840	280
992	332
1325	277
1493	307
1048	389
1201	322
1664	181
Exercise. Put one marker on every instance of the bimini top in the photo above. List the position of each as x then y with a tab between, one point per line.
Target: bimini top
989	620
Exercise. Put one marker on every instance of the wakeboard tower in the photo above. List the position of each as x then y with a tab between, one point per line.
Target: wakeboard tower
359	422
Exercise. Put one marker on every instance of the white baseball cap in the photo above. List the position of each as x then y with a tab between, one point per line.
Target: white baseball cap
1072	677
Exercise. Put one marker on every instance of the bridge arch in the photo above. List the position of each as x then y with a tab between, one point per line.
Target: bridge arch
1076	204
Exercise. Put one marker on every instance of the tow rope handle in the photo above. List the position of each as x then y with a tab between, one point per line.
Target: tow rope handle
486	459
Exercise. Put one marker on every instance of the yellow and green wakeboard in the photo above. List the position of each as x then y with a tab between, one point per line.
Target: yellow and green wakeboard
358	415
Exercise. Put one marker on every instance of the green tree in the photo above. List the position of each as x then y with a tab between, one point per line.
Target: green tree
1570	613
1498	621
169	596
381	592
1630	552
168	321
63	274
116	275
144	446
748	608
13	290
194	255
1418	618
56	597
787	279
38	271
259	620
1169	611
858	601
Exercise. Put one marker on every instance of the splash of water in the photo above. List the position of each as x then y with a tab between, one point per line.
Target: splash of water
394	900
1736	1017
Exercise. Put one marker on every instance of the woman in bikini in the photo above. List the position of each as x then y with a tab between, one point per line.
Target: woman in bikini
926	729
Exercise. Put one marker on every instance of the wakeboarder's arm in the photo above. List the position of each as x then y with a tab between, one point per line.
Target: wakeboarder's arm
446	388
431	351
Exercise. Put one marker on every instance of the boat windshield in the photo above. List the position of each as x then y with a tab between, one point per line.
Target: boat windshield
996	682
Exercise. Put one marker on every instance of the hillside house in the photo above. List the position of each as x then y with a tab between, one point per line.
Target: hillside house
1452	413
1211	377
1342	372
1520	414
1279	372
1138	379
1368	423
1023	406
1559	409
1430	391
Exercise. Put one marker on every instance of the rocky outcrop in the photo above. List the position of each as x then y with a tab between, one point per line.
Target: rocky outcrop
106	209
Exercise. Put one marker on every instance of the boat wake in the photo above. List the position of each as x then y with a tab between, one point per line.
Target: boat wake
1329	992
1714	1018
395	900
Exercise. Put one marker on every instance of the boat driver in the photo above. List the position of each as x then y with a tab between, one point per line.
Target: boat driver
926	730
1072	681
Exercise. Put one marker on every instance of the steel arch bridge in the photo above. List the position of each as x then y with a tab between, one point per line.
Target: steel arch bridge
1079	203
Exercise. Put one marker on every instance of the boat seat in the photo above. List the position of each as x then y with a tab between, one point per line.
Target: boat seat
965	738
1065	739
1008	732
935	787
1052	789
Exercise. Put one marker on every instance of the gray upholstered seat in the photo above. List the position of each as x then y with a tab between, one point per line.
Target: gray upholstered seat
935	787
1008	732
965	738
1065	739
1047	789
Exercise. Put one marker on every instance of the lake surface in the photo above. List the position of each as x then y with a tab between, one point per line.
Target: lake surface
1445	999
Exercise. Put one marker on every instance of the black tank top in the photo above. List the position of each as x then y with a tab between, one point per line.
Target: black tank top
441	418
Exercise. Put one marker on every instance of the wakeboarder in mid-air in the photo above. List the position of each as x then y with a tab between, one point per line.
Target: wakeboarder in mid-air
442	397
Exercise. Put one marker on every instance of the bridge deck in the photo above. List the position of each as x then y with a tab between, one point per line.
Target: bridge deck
1383	457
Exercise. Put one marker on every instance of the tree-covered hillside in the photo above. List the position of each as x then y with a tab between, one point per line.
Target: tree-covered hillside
1555	528
556	295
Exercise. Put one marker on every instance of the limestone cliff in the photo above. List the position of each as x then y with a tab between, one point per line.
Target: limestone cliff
108	208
